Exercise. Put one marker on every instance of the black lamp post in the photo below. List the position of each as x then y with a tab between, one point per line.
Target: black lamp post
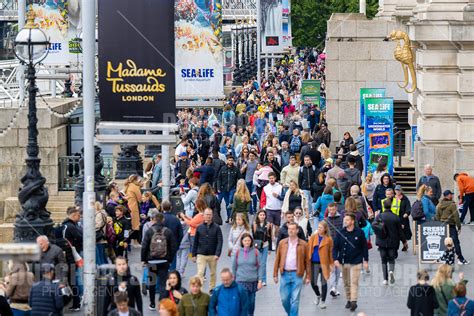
31	47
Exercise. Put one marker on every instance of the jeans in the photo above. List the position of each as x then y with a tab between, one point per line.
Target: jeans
351	275
173	264
453	233
251	302
17	312
228	197
263	262
253	205
388	255
290	289
157	275
468	203
182	259
100	254
334	277
310	200
315	272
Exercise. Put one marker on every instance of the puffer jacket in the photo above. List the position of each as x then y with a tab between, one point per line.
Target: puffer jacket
447	212
46	299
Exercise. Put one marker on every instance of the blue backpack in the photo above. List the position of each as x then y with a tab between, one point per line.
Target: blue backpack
295	144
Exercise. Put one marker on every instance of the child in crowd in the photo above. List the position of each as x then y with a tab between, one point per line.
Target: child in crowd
113	202
449	254
122	226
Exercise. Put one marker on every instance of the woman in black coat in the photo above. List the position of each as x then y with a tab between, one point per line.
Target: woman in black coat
379	194
404	212
173	290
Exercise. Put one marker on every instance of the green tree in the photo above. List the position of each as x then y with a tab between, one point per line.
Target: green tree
309	18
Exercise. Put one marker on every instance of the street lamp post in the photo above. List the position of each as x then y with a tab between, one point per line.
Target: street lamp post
31	47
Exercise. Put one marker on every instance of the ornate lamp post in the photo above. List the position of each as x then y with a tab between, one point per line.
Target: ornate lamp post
31	47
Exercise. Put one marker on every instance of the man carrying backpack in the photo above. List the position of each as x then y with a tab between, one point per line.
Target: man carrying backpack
295	142
389	232
307	176
159	247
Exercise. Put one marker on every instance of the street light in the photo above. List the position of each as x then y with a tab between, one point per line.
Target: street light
31	47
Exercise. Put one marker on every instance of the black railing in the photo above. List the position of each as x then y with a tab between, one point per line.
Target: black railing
399	152
69	171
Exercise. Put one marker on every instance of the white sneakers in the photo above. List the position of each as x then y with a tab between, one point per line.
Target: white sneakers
318	299
385	282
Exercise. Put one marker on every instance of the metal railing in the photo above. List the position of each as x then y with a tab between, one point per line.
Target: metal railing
69	171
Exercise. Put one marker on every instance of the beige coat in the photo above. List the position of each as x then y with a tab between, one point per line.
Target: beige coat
290	173
286	202
134	197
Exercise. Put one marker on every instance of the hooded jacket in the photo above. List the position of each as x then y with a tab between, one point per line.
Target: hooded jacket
229	301
447	212
357	158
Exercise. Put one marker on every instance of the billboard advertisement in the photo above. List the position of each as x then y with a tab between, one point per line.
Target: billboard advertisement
378	126
136	60
311	91
369	93
60	21
275	25
199	51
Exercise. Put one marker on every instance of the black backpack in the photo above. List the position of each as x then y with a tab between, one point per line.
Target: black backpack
159	244
380	229
417	211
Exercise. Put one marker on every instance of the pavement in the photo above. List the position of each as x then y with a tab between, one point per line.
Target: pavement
374	298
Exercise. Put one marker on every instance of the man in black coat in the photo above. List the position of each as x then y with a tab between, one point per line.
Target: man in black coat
45	296
226	184
206	171
207	247
389	232
173	224
158	266
52	254
283	232
315	154
123	281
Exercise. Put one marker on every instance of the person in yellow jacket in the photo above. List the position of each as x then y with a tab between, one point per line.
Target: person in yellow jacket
390	194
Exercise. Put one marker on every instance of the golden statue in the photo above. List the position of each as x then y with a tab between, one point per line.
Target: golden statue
405	56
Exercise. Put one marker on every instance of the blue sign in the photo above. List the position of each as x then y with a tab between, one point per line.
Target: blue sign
368	93
378	124
414	138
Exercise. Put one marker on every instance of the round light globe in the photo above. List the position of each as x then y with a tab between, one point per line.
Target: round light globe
31	45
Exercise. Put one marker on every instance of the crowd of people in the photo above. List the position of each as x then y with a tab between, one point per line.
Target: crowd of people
266	160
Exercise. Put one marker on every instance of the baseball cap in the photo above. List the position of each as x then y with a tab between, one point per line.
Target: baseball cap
398	187
447	192
183	154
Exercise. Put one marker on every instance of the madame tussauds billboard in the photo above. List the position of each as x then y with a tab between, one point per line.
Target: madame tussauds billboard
136	60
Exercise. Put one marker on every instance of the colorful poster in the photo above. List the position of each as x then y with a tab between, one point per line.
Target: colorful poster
414	138
369	93
136	61
199	51
52	18
275	27
378	126
311	91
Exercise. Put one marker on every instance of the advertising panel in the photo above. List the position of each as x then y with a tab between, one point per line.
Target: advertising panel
378	135
311	91
275	25
431	240
136	60
199	51
369	93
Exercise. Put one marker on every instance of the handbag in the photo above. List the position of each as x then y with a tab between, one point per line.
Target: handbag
258	244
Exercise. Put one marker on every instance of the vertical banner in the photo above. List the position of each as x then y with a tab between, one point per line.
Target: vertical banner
199	51
275	25
378	133
136	60
52	18
414	138
369	93
311	91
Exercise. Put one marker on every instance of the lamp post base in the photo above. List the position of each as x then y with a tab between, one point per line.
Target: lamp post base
27	231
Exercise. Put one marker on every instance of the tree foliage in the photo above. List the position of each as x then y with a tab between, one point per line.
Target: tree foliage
309	18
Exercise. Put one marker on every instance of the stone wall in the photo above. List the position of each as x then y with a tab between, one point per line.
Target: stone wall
52	141
444	112
358	57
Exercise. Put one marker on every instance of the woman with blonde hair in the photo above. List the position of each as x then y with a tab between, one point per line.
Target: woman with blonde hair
239	227
322	262
100	233
368	189
242	200
424	195
444	284
325	152
295	198
134	196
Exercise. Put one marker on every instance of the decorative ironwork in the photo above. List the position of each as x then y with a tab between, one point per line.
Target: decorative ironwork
99	180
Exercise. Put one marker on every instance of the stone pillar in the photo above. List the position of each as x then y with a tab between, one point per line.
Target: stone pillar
445	96
99	180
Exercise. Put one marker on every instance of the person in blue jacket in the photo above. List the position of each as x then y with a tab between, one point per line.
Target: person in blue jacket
426	201
460	304
229	298
322	204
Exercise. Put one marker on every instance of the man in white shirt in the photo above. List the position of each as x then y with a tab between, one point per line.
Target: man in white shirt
274	202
